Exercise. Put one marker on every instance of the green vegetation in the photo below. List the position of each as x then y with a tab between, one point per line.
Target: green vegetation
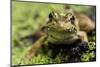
26	20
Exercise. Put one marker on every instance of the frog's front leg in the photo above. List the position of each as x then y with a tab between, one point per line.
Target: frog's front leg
83	36
32	51
84	40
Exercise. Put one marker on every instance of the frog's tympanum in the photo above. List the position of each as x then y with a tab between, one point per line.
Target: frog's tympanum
62	28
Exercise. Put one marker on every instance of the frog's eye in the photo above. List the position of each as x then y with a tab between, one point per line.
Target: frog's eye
50	15
72	19
54	15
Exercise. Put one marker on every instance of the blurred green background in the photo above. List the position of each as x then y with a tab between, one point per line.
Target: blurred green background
27	17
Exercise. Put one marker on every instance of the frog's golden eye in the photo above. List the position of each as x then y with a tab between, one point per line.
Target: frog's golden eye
54	15
70	17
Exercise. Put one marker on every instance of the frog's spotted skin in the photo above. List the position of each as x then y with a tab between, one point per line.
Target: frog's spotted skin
61	28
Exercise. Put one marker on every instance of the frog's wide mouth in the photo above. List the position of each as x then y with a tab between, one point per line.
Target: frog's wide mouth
59	34
61	37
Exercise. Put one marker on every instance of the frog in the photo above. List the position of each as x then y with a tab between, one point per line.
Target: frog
60	28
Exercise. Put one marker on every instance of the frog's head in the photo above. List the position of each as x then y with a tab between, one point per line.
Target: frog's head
62	22
62	28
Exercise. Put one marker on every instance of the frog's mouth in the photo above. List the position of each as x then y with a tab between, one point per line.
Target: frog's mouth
58	33
62	38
